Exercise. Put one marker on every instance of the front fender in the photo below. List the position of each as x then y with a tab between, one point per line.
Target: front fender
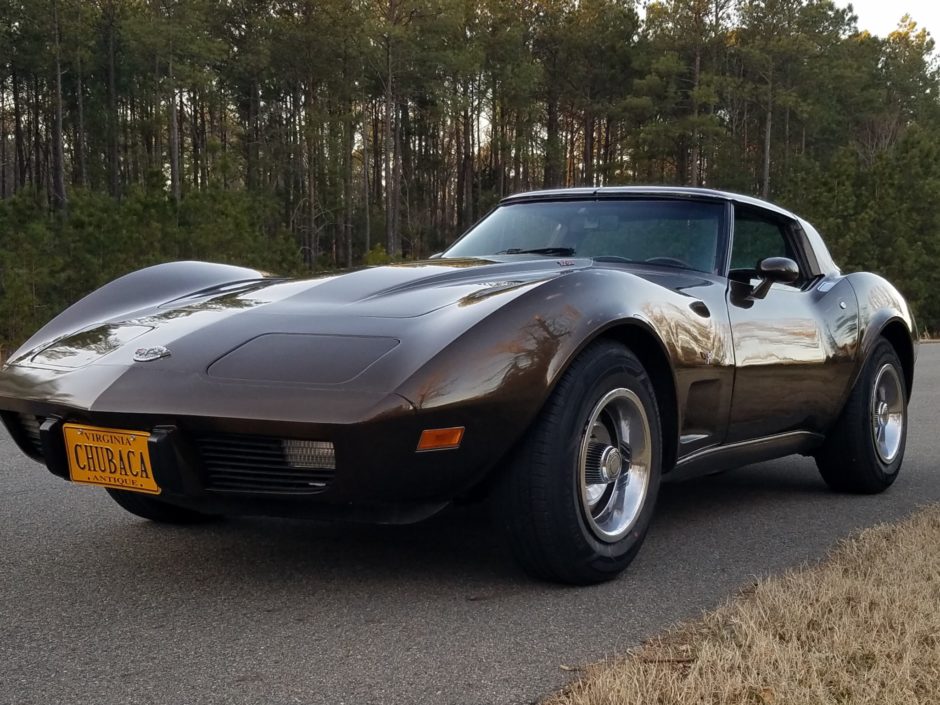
149	286
496	376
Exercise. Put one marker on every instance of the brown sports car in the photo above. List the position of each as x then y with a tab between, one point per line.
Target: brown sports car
560	358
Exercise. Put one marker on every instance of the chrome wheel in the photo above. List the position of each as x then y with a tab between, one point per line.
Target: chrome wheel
887	413
615	460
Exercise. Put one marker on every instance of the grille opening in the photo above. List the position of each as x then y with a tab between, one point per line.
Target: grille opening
261	465
30	425
309	454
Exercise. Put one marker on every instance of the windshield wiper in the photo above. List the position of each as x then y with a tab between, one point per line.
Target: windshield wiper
553	251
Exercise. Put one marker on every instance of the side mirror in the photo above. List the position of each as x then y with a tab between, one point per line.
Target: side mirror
436	255
773	270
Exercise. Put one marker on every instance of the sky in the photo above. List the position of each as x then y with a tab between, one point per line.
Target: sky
881	16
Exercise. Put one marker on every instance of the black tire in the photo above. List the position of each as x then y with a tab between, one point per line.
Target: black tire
153	509
542	499
852	459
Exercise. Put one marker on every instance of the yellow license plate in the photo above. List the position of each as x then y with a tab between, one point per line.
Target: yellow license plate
109	457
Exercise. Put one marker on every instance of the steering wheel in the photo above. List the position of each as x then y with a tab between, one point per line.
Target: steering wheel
673	261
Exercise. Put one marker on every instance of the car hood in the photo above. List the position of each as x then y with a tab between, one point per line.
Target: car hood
332	349
361	303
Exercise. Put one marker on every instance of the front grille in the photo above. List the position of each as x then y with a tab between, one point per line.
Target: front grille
30	425
259	465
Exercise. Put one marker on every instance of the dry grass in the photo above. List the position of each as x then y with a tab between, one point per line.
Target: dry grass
863	627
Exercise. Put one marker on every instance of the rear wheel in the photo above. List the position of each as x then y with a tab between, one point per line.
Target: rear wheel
579	494
864	450
153	509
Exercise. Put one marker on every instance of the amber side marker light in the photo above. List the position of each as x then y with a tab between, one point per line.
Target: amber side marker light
440	438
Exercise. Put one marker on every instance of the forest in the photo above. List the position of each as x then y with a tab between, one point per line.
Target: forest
303	135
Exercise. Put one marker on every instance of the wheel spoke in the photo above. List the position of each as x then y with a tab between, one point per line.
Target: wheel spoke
619	422
887	413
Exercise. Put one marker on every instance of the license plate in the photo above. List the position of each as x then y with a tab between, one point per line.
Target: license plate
109	457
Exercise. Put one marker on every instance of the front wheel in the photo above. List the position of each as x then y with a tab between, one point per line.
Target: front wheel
579	493
864	450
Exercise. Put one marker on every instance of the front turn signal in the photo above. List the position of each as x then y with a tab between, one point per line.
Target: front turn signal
440	438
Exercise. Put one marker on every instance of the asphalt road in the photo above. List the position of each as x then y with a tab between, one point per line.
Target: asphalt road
99	607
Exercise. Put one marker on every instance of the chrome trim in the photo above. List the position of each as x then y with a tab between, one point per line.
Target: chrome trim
754	450
150	354
886	408
615	464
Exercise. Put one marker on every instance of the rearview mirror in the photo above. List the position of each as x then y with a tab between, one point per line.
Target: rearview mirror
773	270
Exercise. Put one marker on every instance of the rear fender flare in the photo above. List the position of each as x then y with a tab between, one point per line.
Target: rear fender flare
883	313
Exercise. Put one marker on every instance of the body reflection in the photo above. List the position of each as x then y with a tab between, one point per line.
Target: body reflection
795	354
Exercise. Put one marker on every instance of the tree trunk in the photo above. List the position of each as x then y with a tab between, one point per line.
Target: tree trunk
204	142
396	250
378	150
113	166
313	239
175	187
79	148
157	110
768	127
587	170
466	217
38	175
553	147
59	198
251	138
194	137
461	173
607	167
366	192
3	138
406	176
391	246
348	185
19	139
696	156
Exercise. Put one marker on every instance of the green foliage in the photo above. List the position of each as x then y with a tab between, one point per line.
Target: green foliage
300	134
46	264
377	256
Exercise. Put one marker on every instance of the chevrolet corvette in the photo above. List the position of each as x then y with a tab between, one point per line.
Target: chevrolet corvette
564	355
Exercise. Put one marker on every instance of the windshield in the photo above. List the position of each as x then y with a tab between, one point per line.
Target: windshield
667	232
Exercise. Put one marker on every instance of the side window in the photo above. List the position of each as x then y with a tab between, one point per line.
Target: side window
757	236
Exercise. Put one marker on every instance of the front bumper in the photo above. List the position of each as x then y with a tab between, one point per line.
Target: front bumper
378	475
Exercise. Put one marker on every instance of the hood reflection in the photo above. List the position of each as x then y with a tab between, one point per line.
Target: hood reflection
85	347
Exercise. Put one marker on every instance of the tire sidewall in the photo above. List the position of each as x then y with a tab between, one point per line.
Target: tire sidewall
610	368
882	354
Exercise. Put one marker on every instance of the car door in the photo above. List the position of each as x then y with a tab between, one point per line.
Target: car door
793	344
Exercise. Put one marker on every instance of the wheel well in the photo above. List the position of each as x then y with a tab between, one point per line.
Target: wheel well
650	352
897	334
